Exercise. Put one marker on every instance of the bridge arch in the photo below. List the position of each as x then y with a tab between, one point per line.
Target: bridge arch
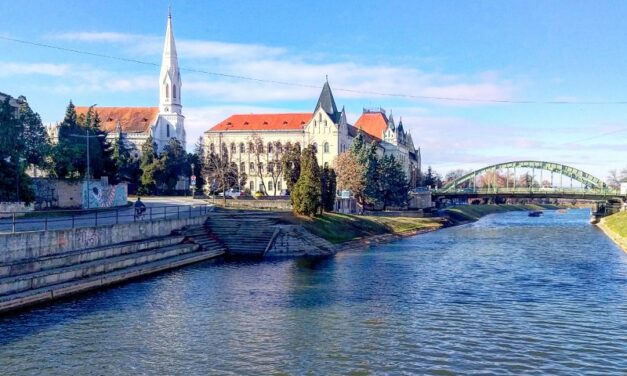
588	180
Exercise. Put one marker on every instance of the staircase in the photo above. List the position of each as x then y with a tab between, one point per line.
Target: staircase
245	234
29	281
202	236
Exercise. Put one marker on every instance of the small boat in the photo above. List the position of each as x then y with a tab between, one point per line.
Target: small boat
536	213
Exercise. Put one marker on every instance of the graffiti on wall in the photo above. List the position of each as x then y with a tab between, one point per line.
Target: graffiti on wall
99	195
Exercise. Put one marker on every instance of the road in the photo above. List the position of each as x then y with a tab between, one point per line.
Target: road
157	208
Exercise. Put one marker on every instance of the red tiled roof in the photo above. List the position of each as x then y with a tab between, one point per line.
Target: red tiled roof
132	119
373	123
264	122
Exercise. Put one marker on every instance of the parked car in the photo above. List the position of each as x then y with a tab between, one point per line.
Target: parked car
232	193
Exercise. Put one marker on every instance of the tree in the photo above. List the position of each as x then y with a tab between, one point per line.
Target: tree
34	136
613	179
172	164
328	188
220	173
366	155
276	151
432	179
454	175
148	165
68	155
258	151
350	174
291	164
393	185
14	183
306	194
198	159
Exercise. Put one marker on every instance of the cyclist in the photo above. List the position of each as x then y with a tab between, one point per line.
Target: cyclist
140	208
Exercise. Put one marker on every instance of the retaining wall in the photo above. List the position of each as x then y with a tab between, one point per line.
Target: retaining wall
29	245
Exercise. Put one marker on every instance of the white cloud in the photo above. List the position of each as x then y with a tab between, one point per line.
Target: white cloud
8	69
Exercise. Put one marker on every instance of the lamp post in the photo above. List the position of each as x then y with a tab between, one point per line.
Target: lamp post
87	136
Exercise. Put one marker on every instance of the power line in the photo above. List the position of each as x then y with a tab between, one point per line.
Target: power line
310	86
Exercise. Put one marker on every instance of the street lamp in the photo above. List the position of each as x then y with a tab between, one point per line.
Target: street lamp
87	136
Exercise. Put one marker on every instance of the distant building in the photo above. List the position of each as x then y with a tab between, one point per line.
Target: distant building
326	128
135	124
12	101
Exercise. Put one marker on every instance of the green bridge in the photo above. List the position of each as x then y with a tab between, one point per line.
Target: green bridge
500	180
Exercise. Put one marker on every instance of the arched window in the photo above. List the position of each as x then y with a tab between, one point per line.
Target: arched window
315	146
251	147
241	147
167	130
269	147
260	166
174	91
270	167
242	167
326	147
279	147
252	168
212	148
167	91
233	149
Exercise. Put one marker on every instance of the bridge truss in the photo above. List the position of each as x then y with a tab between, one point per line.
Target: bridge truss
467	184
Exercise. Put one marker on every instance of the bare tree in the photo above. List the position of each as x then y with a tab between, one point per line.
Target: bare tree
259	155
276	151
219	170
613	179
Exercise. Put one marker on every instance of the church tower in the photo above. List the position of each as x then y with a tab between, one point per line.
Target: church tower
171	120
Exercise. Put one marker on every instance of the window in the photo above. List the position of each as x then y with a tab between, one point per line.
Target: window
233	150
251	147
167	91
279	185
167	130
326	147
174	91
260	166
252	186
252	168
242	167
270	167
241	147
315	146
270	186
269	147
212	148
279	147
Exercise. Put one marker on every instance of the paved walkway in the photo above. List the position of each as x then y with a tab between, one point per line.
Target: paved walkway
157	208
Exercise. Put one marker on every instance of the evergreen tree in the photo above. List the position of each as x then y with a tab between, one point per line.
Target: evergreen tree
328	181
393	185
172	164
432	179
35	137
366	155
148	165
305	196
68	155
14	183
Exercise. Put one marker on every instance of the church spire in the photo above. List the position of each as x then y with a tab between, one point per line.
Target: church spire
170	77
327	102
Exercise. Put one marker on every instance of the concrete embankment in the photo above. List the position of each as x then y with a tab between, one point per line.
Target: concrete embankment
615	227
41	266
469	213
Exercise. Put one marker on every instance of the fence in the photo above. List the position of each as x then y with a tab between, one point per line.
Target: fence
67	219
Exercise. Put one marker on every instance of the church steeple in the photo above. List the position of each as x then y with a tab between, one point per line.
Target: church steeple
170	77
327	103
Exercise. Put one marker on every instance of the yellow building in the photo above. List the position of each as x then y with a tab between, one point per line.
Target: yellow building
326	128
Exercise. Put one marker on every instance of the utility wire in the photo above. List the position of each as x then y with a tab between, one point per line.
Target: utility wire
295	84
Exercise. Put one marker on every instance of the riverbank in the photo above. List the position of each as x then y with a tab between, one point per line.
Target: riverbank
471	213
342	228
615	227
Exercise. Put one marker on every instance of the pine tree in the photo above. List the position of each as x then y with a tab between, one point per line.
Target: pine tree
14	183
393	185
305	196
35	137
291	164
68	155
148	165
328	181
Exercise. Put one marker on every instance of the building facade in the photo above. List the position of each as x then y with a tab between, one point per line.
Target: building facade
326	128
135	124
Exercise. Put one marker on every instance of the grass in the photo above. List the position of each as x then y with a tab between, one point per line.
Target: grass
340	228
474	212
618	224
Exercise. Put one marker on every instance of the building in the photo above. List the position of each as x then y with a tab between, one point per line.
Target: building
12	102
135	124
326	128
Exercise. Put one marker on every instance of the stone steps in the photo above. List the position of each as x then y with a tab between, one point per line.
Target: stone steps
49	277
48	293
75	257
243	234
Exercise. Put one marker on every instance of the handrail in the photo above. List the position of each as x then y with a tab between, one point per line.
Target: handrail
70	219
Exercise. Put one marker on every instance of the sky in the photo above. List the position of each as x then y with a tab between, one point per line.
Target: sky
506	63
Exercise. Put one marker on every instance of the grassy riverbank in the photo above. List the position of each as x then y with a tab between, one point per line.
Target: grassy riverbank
341	228
615	226
474	212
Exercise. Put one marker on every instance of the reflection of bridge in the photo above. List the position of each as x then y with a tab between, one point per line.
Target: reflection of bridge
500	180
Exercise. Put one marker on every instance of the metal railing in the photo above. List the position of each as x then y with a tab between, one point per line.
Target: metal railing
12	222
532	191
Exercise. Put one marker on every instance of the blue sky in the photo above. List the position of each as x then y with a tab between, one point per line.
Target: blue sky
516	50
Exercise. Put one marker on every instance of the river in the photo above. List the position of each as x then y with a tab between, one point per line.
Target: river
507	294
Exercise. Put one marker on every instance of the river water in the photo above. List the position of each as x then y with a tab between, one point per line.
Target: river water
507	294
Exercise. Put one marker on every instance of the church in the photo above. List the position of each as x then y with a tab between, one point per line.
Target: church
326	128
135	124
